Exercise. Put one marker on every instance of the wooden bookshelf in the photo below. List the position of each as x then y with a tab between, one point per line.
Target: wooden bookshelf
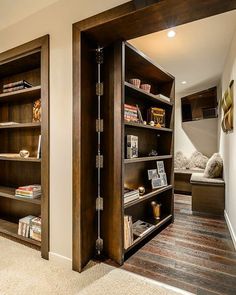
127	62
28	62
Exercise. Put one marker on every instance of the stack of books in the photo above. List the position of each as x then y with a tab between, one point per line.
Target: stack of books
18	85
128	231
131	113
130	195
35	229
24	226
140	228
29	191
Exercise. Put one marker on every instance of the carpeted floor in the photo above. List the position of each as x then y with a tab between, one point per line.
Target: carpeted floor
23	272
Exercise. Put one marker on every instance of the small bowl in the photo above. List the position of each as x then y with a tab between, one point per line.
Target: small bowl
146	87
135	82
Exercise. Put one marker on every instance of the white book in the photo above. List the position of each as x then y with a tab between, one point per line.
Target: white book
39	148
161	96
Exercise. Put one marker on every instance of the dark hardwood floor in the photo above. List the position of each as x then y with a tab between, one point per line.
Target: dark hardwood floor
195	253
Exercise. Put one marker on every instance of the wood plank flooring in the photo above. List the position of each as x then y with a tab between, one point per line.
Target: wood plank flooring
195	253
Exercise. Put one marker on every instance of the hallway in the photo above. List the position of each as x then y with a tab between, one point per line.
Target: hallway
195	254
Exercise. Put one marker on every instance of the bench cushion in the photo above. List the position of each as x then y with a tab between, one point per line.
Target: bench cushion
188	171
198	178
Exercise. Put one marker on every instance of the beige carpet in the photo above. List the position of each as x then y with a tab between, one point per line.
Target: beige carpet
22	271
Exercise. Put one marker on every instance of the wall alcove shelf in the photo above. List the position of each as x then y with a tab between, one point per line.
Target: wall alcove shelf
29	62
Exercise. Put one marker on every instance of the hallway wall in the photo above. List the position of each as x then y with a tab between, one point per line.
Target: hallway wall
57	20
227	142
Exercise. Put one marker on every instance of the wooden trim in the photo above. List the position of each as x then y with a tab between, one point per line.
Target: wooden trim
124	22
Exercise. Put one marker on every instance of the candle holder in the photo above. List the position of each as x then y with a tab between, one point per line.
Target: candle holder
156	209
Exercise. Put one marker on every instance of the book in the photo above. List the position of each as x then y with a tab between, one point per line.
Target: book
132	146
36	228
13	89
128	231
39	148
140	117
8	123
24	226
163	97
17	83
130	113
30	191
140	228
130	195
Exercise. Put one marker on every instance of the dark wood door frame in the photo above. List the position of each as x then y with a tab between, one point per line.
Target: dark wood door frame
123	22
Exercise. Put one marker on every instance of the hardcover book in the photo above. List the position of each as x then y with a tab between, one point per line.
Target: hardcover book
132	146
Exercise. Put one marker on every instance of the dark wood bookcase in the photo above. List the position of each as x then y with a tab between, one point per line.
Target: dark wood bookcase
126	62
121	62
28	62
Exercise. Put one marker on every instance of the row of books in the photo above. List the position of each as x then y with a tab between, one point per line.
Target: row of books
134	230
14	86
29	191
30	227
130	195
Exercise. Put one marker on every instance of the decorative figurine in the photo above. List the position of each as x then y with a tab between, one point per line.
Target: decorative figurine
153	153
152	123
24	154
144	122
156	209
141	190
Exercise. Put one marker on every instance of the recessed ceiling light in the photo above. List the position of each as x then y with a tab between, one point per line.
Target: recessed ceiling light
171	34
184	82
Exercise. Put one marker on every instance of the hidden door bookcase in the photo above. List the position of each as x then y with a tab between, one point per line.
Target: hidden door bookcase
121	62
28	62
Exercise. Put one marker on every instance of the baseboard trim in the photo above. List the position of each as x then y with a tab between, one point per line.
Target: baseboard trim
60	259
233	235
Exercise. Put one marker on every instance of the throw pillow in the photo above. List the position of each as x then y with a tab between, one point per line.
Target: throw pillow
197	160
214	167
180	160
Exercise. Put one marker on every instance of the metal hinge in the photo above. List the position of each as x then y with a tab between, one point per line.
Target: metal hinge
99	89
99	203
99	125
99	161
99	55
99	245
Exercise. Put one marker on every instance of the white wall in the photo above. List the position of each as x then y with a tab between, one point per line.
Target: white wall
57	20
227	142
198	135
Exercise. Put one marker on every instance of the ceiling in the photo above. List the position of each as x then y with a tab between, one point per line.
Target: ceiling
196	54
13	11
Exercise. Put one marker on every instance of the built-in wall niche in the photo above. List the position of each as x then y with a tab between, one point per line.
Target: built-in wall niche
200	105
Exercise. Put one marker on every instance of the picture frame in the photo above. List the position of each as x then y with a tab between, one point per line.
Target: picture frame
163	179
156	183
152	174
160	167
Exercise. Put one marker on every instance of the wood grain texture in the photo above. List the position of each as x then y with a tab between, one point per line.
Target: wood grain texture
195	253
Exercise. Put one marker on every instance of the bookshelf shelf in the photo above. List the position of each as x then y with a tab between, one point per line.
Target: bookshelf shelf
9	192
142	94
139	125
21	125
157	224
10	229
145	159
148	196
32	93
27	64
30	159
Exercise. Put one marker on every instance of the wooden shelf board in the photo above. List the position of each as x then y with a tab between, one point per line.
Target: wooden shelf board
148	196
33	92
139	125
158	224
11	229
138	92
22	125
9	192
30	159
140	62
145	159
